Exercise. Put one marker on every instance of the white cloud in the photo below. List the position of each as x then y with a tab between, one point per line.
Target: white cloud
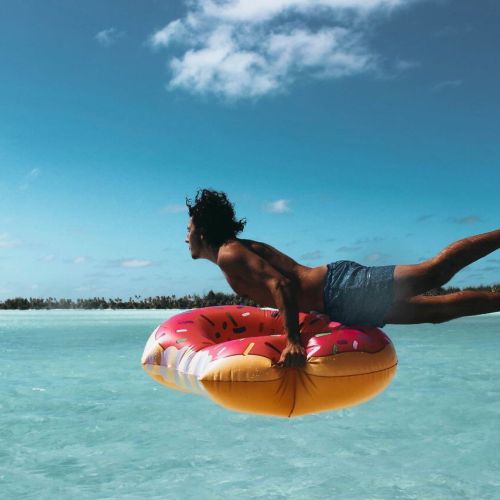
314	255
29	178
92	288
33	174
108	36
469	219
367	241
7	242
47	258
223	67
447	84
78	260
425	217
248	48
403	65
172	31
174	209
347	249
278	206
261	11
377	257
135	263
131	263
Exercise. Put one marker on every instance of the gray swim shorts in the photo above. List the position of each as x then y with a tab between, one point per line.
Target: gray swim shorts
358	295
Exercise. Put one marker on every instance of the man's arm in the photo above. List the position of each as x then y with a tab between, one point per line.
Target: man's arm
286	302
251	268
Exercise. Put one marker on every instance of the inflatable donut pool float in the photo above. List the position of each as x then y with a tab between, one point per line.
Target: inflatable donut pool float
227	353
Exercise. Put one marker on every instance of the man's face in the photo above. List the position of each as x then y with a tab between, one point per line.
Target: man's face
193	239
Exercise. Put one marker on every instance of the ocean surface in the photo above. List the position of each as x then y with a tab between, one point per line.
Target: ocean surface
79	418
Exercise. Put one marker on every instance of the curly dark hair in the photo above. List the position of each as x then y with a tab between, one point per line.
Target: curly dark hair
213	215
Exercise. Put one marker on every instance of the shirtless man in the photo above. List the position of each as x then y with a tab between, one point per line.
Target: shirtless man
344	290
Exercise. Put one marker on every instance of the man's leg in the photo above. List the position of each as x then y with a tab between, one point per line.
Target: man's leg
427	309
413	280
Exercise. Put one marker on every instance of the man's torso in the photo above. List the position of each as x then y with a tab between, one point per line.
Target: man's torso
307	282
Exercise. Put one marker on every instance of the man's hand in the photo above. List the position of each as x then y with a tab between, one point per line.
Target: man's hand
292	356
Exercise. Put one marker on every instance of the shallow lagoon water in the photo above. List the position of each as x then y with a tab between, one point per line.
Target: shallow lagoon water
80	418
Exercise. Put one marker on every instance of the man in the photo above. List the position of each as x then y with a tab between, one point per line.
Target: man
346	291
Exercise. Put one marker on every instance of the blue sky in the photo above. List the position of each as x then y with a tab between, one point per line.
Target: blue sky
341	129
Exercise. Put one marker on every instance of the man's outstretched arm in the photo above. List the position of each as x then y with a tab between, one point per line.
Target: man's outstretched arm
293	354
253	271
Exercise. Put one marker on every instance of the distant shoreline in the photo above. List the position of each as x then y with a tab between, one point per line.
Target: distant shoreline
167	301
136	302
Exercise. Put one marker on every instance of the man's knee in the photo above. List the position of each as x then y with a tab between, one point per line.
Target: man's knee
445	307
439	272
426	309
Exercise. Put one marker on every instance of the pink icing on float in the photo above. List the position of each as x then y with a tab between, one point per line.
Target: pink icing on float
227	353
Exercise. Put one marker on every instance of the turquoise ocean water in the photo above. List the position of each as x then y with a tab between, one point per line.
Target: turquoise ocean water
79	418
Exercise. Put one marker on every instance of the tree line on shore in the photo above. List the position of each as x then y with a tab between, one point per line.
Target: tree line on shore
169	301
136	302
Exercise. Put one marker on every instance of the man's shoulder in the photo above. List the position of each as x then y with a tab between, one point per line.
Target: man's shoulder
234	252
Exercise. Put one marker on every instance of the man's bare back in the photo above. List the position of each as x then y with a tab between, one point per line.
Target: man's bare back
307	282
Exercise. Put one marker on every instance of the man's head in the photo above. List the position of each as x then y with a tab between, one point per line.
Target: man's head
212	221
